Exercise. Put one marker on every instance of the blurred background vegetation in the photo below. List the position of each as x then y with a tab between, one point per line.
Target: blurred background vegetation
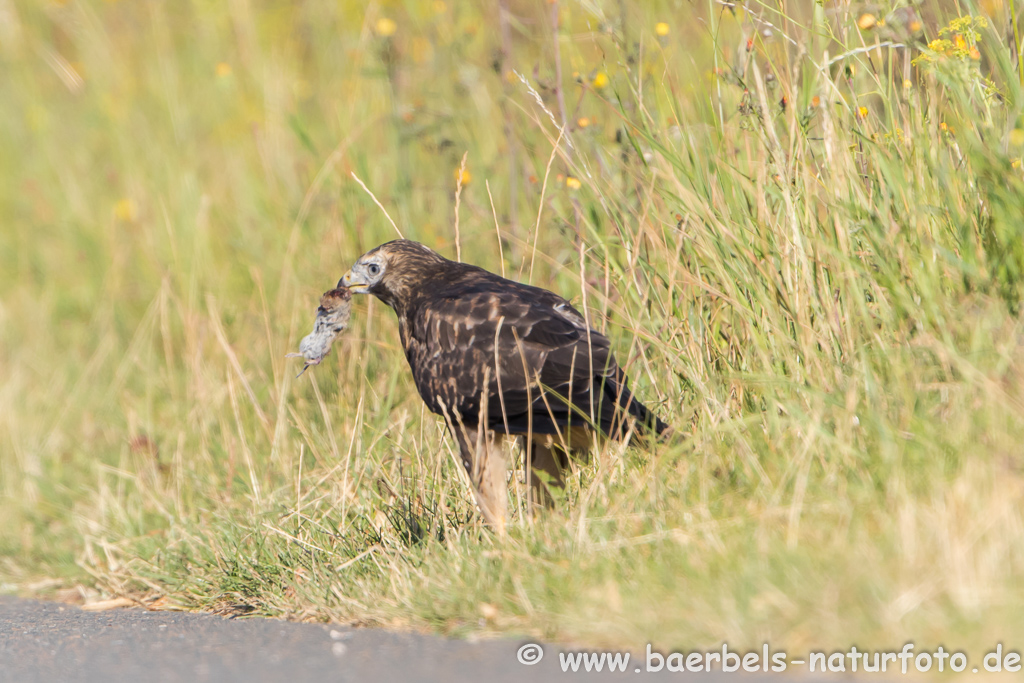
801	223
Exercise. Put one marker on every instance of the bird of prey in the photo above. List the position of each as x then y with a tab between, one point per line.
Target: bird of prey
496	357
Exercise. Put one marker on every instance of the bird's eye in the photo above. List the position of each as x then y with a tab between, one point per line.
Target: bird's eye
373	269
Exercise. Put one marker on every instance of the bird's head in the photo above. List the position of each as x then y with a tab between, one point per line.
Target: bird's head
393	272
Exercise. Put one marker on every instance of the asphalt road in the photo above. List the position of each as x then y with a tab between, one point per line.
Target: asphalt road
41	641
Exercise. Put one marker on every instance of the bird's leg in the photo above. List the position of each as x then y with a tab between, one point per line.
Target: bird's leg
485	460
489	468
547	463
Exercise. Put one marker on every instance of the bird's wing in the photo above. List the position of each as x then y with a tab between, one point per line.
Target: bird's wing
524	351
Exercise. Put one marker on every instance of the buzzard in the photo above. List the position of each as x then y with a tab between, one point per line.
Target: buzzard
496	357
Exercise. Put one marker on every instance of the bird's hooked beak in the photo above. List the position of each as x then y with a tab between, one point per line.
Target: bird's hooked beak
355	283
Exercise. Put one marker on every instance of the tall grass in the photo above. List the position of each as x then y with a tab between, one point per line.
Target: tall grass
804	238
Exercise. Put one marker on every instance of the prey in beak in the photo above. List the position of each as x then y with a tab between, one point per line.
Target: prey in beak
331	320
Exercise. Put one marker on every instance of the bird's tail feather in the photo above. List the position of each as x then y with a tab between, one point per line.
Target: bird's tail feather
626	403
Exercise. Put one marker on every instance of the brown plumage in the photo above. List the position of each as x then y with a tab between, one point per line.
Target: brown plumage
494	356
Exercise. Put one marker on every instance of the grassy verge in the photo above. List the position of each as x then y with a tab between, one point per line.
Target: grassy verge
801	225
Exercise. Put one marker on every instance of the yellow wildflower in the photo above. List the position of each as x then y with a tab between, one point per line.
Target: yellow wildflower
421	49
463	176
867	21
583	122
661	28
572	183
600	80
386	27
124	210
223	70
862	112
